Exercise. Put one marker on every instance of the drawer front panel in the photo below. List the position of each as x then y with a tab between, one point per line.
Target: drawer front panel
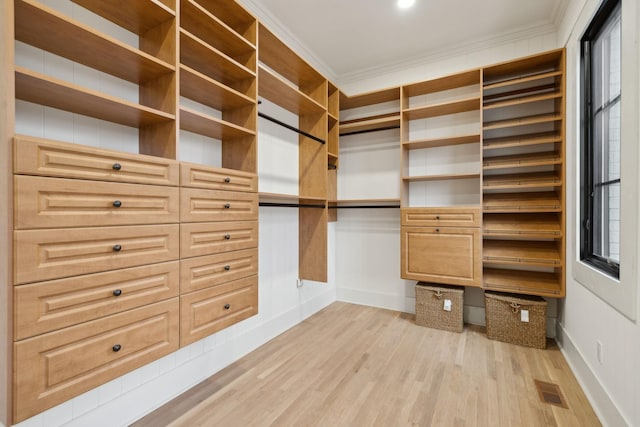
213	270
52	368
53	202
35	156
198	205
441	217
208	311
442	255
51	254
46	306
198	176
210	238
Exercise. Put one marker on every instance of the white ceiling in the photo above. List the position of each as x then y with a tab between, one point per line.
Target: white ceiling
352	36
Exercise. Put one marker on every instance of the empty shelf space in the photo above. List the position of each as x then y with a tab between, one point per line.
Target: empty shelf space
525	79
233	15
442	177
517	252
442	142
522	226
370	98
519	100
47	29
522	160
454	81
205	90
44	90
203	124
523	121
201	56
531	65
368	124
137	16
545	201
522	180
284	94
529	282
199	21
435	110
521	140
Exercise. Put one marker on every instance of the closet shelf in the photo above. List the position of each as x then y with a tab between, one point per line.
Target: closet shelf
201	56
521	140
521	100
523	253
369	124
546	201
206	125
442	177
370	98
137	16
522	226
531	65
442	142
522	180
45	28
205	90
272	199
332	119
466	78
332	156
284	94
452	107
199	21
522	160
233	15
44	90
523	121
528	282
520	80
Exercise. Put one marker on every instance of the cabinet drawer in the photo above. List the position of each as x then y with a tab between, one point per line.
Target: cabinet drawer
198	176
208	311
47	306
51	254
210	238
52	368
54	202
442	255
205	272
35	156
442	217
198	205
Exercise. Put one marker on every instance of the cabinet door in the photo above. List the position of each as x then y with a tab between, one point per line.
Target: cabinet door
52	368
442	255
199	176
197	205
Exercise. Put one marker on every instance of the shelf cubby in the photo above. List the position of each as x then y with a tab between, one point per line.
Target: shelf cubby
442	142
234	16
284	94
522	226
521	140
545	201
524	282
522	253
137	16
371	123
546	158
523	121
209	126
522	180
207	91
446	108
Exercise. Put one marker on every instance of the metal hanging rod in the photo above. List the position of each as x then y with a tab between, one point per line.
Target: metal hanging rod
283	124
332	167
366	207
291	205
358	132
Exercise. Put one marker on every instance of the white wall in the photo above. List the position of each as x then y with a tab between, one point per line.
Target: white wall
613	386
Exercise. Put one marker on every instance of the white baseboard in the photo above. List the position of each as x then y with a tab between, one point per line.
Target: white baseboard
604	407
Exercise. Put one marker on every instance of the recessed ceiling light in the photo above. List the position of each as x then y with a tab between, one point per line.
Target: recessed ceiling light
405	4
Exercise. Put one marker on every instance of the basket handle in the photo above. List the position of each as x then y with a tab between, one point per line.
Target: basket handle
515	307
437	294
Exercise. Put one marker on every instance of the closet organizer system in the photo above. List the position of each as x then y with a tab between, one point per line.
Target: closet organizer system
122	258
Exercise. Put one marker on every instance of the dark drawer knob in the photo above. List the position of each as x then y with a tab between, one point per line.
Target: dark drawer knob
116	166
227	267
227	306
117	292
227	180
116	348
117	204
227	205
227	237
438	217
117	248
437	230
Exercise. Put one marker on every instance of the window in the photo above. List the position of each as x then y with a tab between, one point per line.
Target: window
601	140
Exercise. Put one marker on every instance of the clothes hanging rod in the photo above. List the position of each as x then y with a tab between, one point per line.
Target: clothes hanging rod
290	205
283	124
358	132
366	207
332	167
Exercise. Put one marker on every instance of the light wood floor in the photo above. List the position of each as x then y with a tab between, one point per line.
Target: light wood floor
351	365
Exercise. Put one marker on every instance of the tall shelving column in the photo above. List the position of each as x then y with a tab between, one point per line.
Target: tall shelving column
288	81
333	145
524	175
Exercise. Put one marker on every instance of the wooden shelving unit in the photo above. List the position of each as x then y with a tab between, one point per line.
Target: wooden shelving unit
522	226
442	142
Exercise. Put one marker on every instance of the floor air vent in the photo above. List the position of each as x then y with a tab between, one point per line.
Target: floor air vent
550	393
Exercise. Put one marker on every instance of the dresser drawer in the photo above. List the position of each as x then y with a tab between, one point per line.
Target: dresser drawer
52	368
54	202
208	238
208	311
36	156
51	254
207	271
441	217
46	306
198	176
198	205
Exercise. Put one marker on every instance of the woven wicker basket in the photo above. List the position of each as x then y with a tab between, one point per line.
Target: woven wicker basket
430	310
504	319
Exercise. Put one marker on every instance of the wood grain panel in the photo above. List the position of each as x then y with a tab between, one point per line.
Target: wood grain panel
210	238
202	176
197	205
442	216
214	270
